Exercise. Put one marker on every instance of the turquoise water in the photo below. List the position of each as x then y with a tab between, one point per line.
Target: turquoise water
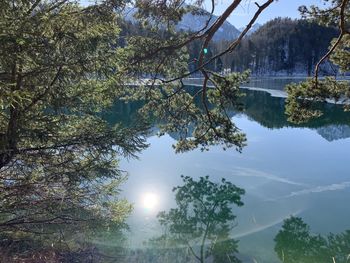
286	169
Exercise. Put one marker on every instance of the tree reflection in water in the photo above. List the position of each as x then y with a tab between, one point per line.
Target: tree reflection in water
294	243
199	228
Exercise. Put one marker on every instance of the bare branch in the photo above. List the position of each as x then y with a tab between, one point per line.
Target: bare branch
232	46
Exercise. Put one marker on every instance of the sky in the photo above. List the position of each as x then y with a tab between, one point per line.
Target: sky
242	15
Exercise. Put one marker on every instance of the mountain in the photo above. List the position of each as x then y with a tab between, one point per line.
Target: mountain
334	132
254	28
194	22
129	13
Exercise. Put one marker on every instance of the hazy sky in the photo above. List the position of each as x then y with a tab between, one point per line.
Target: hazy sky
242	15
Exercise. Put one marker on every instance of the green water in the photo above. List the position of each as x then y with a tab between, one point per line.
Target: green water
286	169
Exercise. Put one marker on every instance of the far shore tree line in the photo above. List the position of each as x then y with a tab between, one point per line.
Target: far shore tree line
282	46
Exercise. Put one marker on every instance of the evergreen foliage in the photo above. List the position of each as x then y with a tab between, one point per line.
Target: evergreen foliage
303	97
59	175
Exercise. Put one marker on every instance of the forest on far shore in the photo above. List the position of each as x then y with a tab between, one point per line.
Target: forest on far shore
282	46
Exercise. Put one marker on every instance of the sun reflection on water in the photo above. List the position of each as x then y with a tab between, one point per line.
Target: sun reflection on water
150	201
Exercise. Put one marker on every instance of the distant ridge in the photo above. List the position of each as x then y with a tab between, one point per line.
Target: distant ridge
254	28
194	22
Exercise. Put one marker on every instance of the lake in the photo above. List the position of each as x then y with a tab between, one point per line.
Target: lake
286	169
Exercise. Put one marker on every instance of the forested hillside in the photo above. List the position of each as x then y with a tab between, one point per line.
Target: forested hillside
281	46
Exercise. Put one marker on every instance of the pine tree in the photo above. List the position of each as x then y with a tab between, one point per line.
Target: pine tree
303	98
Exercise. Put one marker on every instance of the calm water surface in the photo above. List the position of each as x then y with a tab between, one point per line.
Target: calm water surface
285	169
